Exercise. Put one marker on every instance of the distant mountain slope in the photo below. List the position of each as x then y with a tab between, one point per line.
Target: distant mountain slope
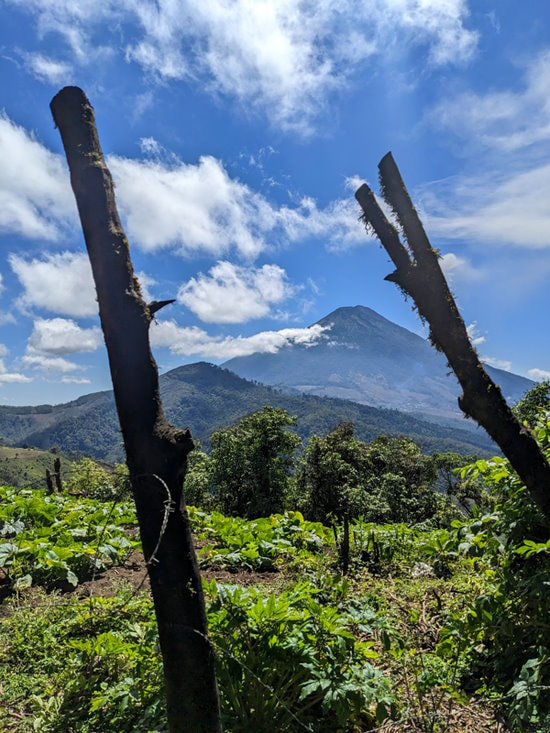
205	398
364	357
27	466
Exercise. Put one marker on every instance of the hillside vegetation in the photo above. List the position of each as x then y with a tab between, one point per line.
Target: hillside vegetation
439	625
207	398
27	466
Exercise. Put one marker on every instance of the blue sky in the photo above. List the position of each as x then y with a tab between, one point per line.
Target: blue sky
236	132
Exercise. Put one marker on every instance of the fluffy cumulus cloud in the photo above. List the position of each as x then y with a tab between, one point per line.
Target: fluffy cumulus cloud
197	342
192	208
282	57
61	336
233	294
198	208
60	283
35	196
201	209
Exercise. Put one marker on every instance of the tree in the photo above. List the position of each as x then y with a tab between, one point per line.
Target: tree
251	463
419	275
197	479
400	476
387	480
533	402
330	478
156	452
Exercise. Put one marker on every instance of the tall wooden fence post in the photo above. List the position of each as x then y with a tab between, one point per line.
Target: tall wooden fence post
419	275
156	452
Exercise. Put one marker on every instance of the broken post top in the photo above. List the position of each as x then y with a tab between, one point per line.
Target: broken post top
73	108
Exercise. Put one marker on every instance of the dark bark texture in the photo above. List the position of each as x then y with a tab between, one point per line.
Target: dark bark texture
156	452
419	275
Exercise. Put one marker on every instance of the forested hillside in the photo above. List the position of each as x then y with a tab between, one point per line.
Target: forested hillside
205	398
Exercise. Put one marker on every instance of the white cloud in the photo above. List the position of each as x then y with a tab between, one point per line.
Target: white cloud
75	380
195	209
47	69
497	363
538	374
502	119
60	283
232	294
14	378
473	335
200	209
36	200
62	336
196	342
500	208
49	364
455	267
7	377
282	57
286	57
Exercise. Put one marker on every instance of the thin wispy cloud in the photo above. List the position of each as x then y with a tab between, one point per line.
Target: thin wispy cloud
50	70
502	119
282	58
509	209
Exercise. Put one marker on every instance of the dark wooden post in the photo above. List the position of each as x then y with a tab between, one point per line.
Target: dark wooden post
49	482
57	475
419	275
156	452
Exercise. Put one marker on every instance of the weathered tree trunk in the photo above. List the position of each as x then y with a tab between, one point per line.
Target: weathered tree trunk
156	452
419	275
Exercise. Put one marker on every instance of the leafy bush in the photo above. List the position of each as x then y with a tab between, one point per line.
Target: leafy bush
256	544
292	661
87	668
504	633
251	463
90	479
84	668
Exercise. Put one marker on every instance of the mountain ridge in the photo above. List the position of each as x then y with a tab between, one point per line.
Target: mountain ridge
207	397
363	356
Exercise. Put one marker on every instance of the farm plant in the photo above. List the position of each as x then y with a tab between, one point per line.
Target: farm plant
59	539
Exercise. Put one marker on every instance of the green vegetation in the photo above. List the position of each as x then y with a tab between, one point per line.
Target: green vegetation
27	466
251	463
208	398
54	539
440	626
